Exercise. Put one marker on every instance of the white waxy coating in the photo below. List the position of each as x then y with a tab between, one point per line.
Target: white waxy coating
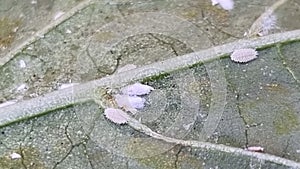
130	102
22	64
225	4
23	87
116	115
15	156
244	55
255	148
136	89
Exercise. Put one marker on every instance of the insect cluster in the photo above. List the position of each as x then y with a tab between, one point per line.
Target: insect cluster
129	100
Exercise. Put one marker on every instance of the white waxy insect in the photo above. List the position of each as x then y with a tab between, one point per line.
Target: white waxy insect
23	87
243	55
214	2
14	156
263	25
255	149
22	64
68	31
225	4
268	23
130	102
137	89
116	115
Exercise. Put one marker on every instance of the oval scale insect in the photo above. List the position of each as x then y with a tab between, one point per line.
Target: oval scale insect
244	55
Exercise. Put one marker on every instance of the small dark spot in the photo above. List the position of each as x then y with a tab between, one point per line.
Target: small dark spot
61	143
2	132
173	86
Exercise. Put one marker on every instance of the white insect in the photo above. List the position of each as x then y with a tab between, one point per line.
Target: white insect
117	116
243	55
22	88
255	149
225	4
266	22
14	156
68	31
269	23
262	27
22	64
33	2
214	2
137	89
130	103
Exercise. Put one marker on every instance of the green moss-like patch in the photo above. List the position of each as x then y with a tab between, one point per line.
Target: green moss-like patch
155	78
285	122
